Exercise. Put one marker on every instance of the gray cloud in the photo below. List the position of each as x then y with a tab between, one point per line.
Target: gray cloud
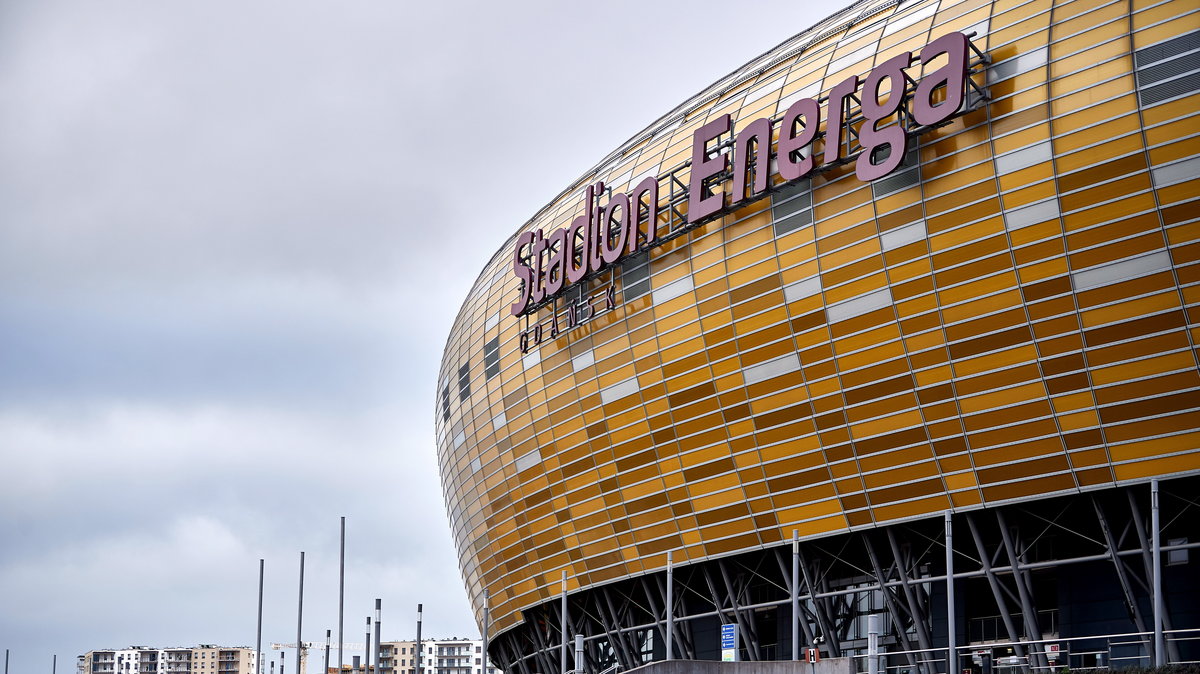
233	237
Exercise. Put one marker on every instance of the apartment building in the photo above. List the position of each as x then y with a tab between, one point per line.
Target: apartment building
438	656
201	659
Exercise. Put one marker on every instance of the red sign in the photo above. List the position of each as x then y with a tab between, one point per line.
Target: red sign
628	223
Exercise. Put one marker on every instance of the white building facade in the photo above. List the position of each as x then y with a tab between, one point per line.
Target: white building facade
201	659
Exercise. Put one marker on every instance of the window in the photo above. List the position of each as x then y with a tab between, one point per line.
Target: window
791	207
906	175
1177	557
464	383
635	276
491	358
446	403
1168	69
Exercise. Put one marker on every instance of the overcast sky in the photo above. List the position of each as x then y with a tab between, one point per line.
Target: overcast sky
233	236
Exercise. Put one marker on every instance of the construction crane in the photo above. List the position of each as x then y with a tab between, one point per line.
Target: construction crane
318	645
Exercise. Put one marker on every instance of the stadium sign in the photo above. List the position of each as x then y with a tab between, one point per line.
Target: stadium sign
548	264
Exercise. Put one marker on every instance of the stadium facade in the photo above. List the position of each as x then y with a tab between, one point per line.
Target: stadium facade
899	319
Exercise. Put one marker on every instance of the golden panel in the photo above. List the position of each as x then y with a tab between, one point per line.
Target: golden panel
1019	320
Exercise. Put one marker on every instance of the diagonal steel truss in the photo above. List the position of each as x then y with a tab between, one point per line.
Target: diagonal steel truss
898	571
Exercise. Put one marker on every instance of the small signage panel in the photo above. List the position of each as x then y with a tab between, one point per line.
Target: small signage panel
729	643
1052	652
813	655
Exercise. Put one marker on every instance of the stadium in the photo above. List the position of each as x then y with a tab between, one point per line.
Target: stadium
894	325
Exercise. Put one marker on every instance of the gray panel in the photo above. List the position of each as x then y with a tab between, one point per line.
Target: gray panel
1166	70
1170	89
896	182
791	207
633	291
792	223
491	358
860	305
1121	270
772	368
1164	50
1023	158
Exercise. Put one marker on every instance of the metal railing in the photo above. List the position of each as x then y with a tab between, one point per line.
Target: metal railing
1105	651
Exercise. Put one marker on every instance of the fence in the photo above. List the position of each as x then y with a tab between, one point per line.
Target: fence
1108	651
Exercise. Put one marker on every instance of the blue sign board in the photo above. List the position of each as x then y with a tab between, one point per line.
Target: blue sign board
728	636
729	639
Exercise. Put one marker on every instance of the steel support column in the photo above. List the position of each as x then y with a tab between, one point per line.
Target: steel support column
562	626
800	613
745	627
1160	659
951	609
1131	605
994	583
1139	525
915	610
659	623
540	643
1024	592
670	597
794	590
612	628
820	607
890	600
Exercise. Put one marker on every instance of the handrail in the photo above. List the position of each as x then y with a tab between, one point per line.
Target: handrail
937	655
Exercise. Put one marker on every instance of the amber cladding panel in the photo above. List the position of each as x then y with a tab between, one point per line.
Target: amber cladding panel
1012	313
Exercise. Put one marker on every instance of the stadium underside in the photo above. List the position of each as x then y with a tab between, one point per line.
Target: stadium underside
1039	585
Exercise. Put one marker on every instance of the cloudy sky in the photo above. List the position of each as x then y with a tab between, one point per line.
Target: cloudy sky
233	236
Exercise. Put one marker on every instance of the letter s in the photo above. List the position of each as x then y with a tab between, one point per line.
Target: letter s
523	272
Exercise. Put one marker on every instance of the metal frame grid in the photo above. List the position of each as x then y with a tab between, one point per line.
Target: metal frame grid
897	572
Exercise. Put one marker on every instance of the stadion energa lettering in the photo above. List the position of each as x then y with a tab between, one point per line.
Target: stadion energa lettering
628	222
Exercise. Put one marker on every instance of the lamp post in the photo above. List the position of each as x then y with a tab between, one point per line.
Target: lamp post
341	593
300	617
327	635
419	648
378	630
258	639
